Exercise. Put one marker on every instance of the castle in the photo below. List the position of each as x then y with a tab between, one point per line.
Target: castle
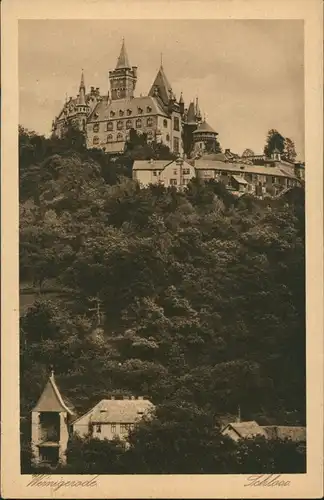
108	119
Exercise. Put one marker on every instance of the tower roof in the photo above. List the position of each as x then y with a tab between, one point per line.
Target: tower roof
197	109
163	85
82	91
122	61
191	115
205	127
51	399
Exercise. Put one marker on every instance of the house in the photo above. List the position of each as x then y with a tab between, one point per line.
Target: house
51	418
112	418
167	173
251	429
243	430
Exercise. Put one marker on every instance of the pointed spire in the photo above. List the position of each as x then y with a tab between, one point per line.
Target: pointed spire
197	109
81	99
82	85
181	101
191	118
161	63
122	61
161	86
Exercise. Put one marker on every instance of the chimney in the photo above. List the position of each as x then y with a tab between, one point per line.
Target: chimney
238	418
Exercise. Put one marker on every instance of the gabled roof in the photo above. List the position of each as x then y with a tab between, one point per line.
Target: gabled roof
122	61
247	430
206	164
204	127
163	85
294	433
239	179
51	399
118	411
156	164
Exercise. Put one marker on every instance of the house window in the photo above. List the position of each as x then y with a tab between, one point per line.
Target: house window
119	137
173	182
175	171
120	125
140	111
121	112
138	123
129	112
149	122
112	113
274	180
110	126
98	428
148	109
129	124
109	138
168	137
123	427
113	428
154	173
96	140
176	124
186	171
96	127
176	145
165	123
149	134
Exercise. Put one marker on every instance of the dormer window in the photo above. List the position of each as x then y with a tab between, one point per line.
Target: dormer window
112	113
121	112
148	109
149	122
140	111
120	125
96	127
129	124
138	123
129	112
110	126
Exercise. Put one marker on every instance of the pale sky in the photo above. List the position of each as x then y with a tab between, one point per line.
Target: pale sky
248	75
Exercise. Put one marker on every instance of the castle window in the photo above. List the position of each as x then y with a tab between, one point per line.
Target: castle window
112	113
120	125
140	111
119	137
138	123
109	138
96	115
150	134
165	123
96	127
176	145
148	109
129	124
121	112
129	112
149	122
176	123
168	137
96	140
113	428
110	126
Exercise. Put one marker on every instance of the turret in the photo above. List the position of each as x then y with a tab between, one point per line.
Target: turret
124	77
181	104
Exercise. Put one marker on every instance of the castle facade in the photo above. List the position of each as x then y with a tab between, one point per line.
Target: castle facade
108	119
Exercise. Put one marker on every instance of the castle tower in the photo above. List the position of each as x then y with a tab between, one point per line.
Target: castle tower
161	88
50	426
205	138
123	78
82	109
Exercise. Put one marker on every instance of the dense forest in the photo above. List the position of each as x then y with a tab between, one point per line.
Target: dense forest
194	299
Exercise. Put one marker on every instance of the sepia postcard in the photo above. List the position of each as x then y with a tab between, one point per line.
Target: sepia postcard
162	249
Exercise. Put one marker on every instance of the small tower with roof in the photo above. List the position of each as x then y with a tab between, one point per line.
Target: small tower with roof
123	78
50	424
81	107
205	138
276	156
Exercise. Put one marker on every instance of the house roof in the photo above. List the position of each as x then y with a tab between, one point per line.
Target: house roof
295	433
206	164
247	429
204	127
119	411
239	179
52	400
103	109
156	164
